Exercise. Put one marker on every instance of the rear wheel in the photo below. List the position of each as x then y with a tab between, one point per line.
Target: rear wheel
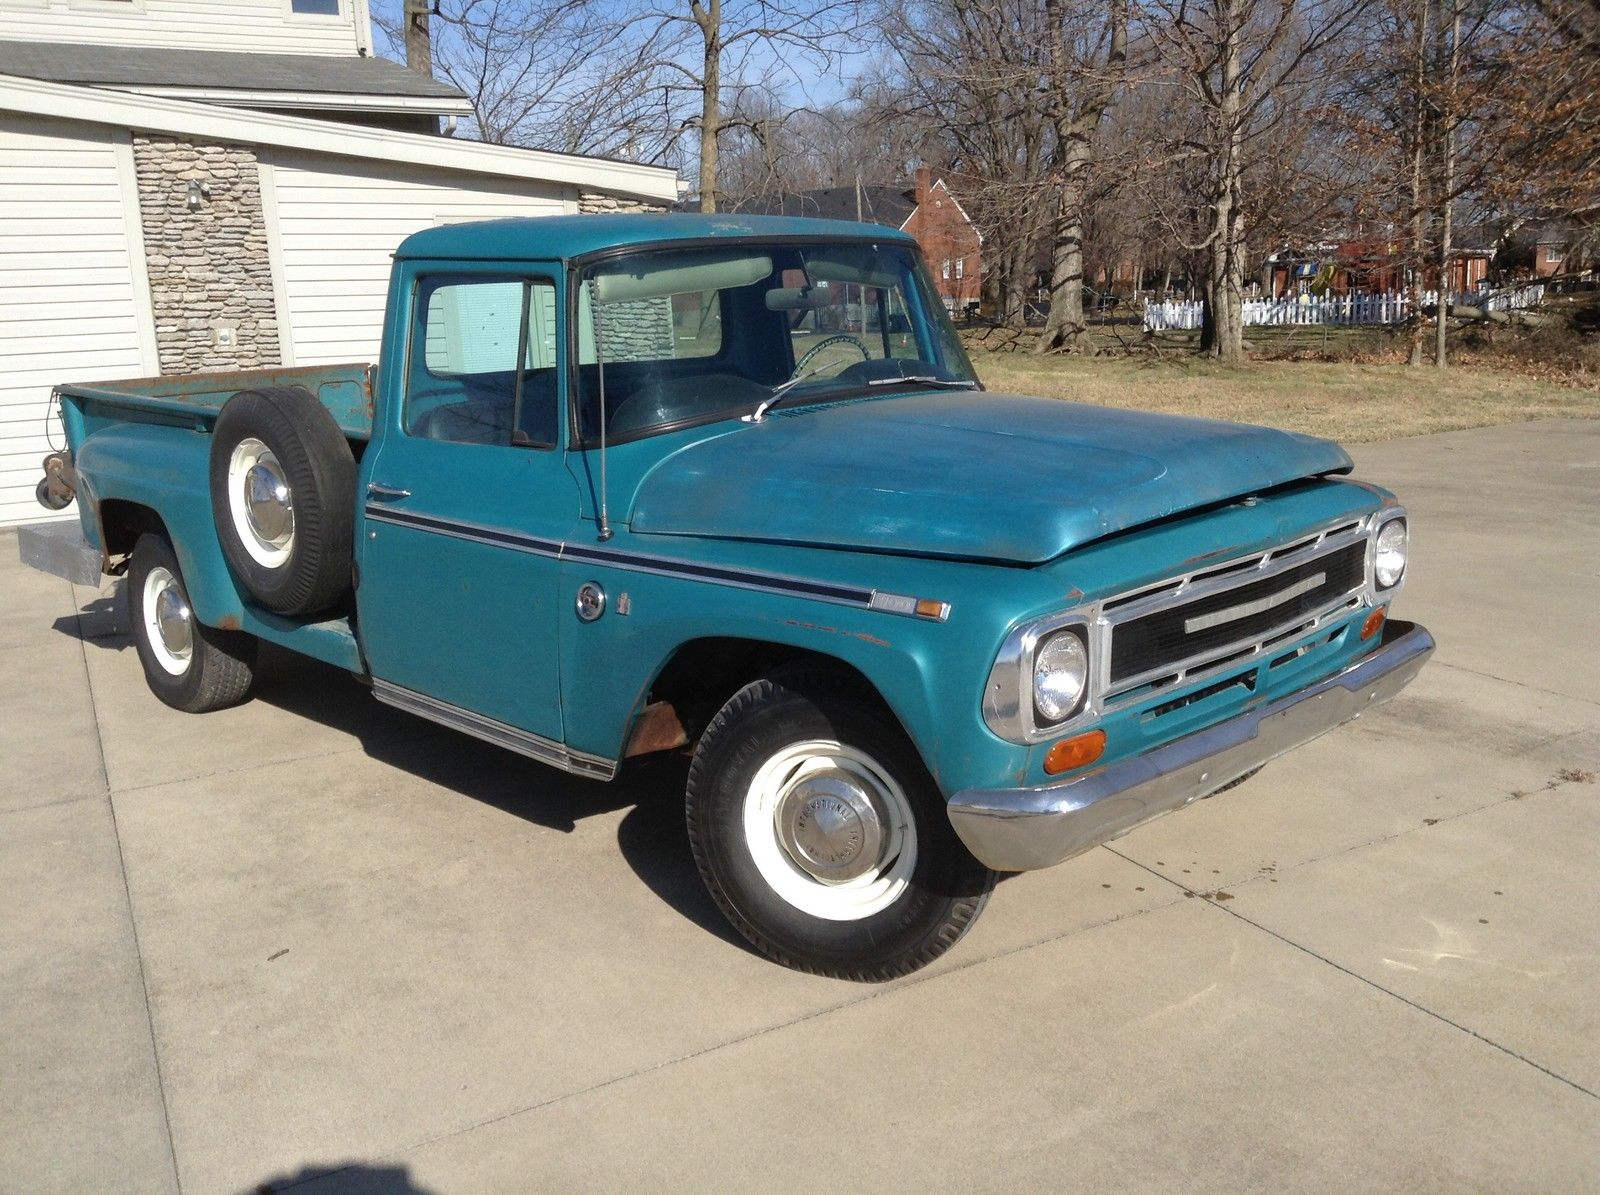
191	667
822	837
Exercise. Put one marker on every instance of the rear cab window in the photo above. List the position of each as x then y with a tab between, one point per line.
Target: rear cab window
483	362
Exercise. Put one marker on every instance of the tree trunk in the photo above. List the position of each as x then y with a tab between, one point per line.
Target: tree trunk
1064	327
1447	186
1018	269
709	17
1225	273
1419	203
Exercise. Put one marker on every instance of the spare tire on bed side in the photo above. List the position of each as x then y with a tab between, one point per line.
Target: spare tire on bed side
283	497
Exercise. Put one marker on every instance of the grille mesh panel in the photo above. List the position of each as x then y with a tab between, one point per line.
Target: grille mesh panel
1158	639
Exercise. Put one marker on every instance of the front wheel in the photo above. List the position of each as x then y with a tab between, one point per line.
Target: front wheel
822	837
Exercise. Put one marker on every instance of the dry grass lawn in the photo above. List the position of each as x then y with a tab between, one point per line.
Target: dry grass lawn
1348	402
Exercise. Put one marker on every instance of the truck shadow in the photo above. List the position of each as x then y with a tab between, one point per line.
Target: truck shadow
651	835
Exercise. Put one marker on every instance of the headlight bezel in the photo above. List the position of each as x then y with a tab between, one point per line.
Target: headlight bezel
1381	524
1009	706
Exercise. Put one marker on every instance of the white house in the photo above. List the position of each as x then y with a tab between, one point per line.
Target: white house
218	184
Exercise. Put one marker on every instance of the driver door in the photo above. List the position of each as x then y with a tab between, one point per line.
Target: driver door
466	501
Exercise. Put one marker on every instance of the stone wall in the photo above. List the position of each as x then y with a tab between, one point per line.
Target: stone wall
593	203
637	330
210	276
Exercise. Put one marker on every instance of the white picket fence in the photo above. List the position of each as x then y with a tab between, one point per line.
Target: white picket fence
1353	309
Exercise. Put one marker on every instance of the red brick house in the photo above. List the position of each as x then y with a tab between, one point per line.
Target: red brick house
927	210
1560	248
1363	267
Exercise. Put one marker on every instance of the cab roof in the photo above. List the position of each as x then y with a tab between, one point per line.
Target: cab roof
549	238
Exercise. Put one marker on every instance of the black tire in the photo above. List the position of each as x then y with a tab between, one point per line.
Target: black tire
1235	783
220	664
937	901
319	472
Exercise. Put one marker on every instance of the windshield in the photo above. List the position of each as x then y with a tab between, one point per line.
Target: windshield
680	336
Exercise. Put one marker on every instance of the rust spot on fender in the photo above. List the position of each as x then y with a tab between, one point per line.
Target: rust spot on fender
658	728
861	635
230	622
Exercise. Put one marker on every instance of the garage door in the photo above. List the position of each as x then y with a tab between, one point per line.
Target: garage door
68	240
339	222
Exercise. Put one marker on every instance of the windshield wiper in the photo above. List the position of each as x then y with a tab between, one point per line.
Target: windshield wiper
925	379
783	388
916	379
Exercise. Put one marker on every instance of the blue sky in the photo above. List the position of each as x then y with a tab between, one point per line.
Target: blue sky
823	90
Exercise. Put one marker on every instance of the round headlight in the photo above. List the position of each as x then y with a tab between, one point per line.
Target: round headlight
1060	675
1389	558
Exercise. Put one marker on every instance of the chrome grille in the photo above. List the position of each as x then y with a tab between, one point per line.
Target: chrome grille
1195	624
1241	615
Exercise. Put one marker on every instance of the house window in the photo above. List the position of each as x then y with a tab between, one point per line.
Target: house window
314	8
960	266
947	269
1552	254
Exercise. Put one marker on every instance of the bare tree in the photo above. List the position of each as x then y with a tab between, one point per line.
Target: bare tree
1243	64
710	54
1546	131
556	74
1088	53
972	70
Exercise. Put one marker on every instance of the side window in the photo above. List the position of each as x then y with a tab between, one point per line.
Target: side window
483	361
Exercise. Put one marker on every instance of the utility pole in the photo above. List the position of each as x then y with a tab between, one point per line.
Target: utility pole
419	46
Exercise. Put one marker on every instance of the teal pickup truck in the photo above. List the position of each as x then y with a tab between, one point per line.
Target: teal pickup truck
727	485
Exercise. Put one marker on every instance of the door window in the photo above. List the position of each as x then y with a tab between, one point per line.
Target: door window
483	362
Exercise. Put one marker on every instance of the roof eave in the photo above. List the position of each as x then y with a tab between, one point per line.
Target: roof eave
159	114
311	101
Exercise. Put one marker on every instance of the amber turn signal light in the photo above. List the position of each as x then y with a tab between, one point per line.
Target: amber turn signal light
1075	752
1374	622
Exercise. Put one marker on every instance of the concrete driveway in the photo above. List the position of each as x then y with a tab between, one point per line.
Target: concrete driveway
315	944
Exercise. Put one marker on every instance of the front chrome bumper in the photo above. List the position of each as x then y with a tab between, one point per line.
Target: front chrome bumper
1018	829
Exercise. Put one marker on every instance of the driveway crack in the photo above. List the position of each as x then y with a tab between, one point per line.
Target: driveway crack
127	894
1372	983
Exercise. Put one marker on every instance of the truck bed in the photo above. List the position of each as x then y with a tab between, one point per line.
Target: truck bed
346	390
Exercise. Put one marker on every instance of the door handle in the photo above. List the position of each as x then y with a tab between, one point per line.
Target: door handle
386	493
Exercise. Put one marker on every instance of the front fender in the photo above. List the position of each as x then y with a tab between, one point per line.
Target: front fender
929	673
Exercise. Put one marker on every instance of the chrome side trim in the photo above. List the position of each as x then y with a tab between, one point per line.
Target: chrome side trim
1018	829
491	731
664	566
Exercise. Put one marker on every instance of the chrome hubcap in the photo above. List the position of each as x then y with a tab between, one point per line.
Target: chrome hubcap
830	830
168	621
267	502
830	826
172	619
261	503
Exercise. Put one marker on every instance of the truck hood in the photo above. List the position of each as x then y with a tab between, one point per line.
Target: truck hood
963	474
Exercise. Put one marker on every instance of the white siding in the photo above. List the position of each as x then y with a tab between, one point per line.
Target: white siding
70	299
267	26
340	220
